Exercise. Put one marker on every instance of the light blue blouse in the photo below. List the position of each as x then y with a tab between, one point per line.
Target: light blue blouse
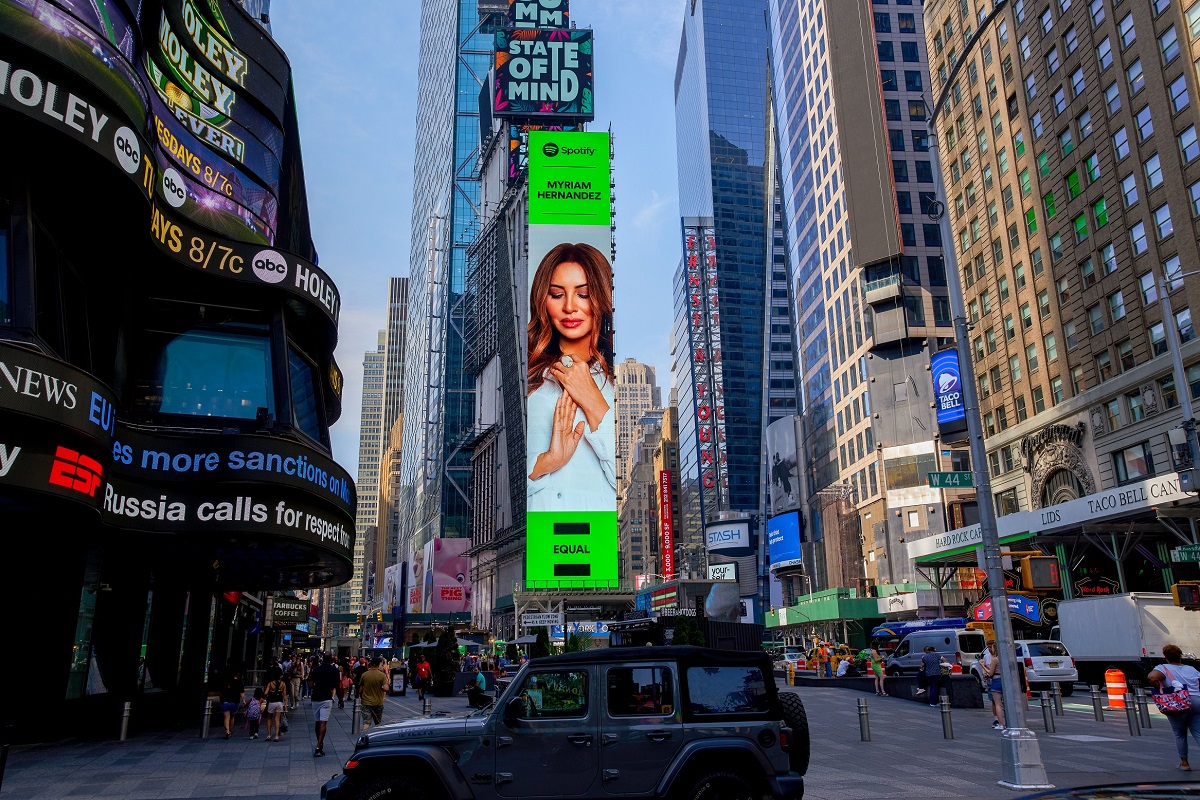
588	482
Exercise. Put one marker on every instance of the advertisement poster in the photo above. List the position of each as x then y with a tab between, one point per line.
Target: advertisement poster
571	508
448	584
948	391
391	590
544	73
784	536
783	460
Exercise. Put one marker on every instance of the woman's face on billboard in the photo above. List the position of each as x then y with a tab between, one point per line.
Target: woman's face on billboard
567	303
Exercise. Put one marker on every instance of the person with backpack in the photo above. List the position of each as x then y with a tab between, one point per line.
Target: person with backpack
254	711
277	694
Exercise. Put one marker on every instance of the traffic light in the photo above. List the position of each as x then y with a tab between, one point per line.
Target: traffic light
1040	573
1187	594
358	619
379	616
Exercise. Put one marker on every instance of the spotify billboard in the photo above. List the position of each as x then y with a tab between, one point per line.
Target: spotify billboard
571	487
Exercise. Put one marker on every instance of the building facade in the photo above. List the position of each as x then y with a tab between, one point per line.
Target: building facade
637	509
636	393
167	359
1069	149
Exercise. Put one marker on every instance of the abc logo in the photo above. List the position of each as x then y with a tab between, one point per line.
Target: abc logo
550	149
129	152
172	187
269	266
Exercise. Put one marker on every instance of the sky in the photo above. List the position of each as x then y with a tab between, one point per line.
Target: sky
356	88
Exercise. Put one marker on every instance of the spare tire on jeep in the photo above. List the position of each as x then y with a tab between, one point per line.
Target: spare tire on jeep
796	719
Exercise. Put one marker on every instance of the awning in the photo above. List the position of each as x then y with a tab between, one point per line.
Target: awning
524	640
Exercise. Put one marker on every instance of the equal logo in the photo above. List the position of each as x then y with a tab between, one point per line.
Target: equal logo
270	266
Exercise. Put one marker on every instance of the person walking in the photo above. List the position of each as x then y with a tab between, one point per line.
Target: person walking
254	712
356	674
323	682
344	681
295	675
424	675
233	695
371	687
277	696
1171	677
991	678
931	665
876	659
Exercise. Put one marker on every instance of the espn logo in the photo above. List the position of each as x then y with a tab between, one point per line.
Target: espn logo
75	471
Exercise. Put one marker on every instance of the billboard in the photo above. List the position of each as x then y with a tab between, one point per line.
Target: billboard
708	370
948	393
439	579
391	590
571	494
544	74
729	538
666	526
539	14
783	460
784	535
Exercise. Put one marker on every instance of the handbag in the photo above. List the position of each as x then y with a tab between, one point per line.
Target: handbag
283	723
1173	702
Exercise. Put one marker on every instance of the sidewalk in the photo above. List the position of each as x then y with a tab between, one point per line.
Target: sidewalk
179	764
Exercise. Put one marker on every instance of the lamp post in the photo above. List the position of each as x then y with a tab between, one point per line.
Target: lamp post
1182	390
1021	759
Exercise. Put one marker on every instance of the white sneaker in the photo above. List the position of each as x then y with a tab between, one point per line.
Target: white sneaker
920	692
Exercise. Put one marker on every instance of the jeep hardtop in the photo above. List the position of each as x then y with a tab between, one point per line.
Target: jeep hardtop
679	722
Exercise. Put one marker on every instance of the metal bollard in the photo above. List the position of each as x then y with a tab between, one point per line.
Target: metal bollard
1131	716
1047	711
1097	704
864	722
208	709
427	706
355	716
947	723
1143	706
125	720
1056	696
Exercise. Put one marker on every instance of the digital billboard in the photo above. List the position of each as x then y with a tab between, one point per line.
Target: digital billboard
391	590
784	535
571	494
666	524
783	461
948	393
729	538
544	73
539	14
708	368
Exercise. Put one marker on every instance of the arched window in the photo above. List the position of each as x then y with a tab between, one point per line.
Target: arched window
1061	486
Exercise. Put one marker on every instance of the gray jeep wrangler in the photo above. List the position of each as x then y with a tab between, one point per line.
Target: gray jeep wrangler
678	722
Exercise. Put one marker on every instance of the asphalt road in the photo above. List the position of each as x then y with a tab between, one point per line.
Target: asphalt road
907	756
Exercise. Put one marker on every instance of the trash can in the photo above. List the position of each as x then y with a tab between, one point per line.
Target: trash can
399	683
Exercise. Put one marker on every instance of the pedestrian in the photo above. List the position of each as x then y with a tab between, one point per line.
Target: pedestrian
356	675
277	696
931	667
991	678
295	674
344	681
1171	677
233	695
254	712
423	677
876	659
322	682
371	692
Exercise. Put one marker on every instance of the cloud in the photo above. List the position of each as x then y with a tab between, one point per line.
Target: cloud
648	216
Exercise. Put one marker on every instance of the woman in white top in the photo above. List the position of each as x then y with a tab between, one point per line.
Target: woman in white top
571	442
1173	676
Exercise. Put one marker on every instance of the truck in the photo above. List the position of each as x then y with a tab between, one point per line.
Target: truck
1125	632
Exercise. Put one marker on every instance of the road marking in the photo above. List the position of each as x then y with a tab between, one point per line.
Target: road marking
1083	737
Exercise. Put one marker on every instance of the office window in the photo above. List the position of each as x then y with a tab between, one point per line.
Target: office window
1129	190
1087	273
1096	318
1070	334
883	22
1048	206
1194	196
1112	98
1052	61
891	109
1145	124
1019	10
1022	410
1120	141
886	51
1193	20
1036	123
1047	21
1063	287
1019	275
1026	317
1116	306
916	110
1039	402
900	170
1056	251
1158	339
1104	367
1137	238
1179	94
990	336
1188	145
920	141
1010	329
896	140
1166	390
1014	369
1168	45
1100	213
1023	179
1084	123
1183	323
908	51
1073	185
1160	5
1162	221
1097	11
1173	273
1153	170
1070	40
912	80
1192	377
1125	30
1007	196
1148	287
1043	298
932	234
1030	86
1056	390
906	23
1125	355
1066	141
1137	81
1092	165
888	78
904	202
1133	463
1108	259
1014	236
1077	83
924	171
1104	54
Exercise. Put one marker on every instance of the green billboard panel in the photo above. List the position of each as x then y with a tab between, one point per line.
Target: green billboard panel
576	550
571	439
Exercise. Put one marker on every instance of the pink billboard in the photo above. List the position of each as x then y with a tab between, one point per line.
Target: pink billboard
447	577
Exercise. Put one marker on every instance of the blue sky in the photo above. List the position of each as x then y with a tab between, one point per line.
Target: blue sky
356	89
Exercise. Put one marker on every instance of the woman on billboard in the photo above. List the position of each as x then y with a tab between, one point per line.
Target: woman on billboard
572	436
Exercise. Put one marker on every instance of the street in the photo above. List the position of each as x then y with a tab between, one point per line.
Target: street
907	757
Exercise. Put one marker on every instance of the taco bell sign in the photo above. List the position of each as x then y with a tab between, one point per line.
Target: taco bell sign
947	387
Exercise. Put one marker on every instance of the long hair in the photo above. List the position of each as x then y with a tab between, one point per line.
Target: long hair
544	347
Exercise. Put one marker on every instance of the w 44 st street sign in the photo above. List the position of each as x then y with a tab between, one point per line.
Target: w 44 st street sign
1187	553
951	480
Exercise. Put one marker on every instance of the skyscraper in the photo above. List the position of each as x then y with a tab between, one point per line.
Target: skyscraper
636	393
455	56
720	337
872	300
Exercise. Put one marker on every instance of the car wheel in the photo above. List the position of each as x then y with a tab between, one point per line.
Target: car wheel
1068	688
979	678
720	785
396	788
893	672
797	719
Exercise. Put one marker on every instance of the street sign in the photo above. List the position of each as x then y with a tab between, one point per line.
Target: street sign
1189	548
951	480
534	619
1180	554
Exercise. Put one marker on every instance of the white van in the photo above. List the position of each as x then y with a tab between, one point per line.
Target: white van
958	645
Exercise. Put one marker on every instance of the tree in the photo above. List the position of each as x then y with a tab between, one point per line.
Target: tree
445	663
430	636
687	631
511	653
574	644
541	647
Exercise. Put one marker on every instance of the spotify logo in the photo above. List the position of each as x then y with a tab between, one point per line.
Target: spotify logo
269	266
550	149
172	187
129	152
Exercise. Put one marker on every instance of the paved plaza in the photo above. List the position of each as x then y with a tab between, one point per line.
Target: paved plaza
907	756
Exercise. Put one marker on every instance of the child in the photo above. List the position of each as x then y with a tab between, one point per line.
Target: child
254	711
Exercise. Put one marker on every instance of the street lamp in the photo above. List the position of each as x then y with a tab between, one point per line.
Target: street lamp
1021	757
1182	390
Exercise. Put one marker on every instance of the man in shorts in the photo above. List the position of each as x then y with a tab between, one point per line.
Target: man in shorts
371	690
323	681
